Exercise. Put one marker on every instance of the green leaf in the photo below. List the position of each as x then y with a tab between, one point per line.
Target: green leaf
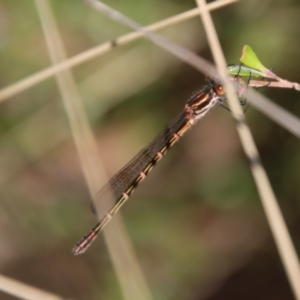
244	71
250	59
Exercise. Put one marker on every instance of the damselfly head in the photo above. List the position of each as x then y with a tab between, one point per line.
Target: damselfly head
219	89
216	86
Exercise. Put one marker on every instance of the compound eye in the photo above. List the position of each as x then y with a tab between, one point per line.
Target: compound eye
219	89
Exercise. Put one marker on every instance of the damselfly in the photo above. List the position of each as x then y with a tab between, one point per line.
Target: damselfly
119	188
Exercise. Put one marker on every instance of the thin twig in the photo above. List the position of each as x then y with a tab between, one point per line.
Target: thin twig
25	291
32	80
278	227
132	282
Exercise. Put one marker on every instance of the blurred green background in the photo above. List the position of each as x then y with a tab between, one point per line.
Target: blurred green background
197	224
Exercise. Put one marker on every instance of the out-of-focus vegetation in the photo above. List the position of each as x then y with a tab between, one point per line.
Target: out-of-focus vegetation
196	223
